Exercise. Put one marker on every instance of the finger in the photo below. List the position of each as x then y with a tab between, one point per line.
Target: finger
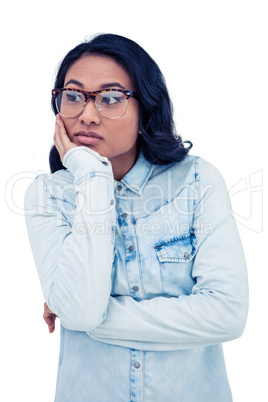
50	321
58	140
47	310
65	140
58	132
51	327
61	139
48	314
49	318
56	137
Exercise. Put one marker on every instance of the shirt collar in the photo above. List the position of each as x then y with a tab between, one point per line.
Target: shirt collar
138	175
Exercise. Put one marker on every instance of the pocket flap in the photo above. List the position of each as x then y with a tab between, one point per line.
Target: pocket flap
177	249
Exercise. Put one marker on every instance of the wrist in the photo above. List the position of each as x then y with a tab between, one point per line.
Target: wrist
81	160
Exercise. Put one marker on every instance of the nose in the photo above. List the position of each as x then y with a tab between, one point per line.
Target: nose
90	115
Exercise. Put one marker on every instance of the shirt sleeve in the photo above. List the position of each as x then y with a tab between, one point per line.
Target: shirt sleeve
73	268
215	311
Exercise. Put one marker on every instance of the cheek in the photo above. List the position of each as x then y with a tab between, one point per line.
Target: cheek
132	123
123	137
126	128
129	132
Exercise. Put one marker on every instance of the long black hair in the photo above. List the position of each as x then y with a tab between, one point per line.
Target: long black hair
159	141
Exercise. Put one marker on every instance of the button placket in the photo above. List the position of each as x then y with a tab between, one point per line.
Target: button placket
132	267
136	375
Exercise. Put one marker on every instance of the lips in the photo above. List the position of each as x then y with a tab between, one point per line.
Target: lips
88	138
88	134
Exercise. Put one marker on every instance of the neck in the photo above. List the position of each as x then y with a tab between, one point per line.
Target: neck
122	164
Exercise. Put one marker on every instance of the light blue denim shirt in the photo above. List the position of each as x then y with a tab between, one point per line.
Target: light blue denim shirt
147	276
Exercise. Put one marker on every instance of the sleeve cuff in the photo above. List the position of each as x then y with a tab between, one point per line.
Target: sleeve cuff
81	160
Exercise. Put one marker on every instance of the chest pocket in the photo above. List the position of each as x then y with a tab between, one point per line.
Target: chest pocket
176	257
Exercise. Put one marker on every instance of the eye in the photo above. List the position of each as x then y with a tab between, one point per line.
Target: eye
112	98
73	97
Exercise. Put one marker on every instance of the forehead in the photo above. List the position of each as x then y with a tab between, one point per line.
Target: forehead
93	71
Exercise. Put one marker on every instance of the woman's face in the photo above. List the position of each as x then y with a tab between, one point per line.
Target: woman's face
118	140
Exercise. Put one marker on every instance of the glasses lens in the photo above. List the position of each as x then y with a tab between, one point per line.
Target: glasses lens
111	104
70	103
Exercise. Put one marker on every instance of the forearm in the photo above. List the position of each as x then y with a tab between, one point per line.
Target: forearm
172	323
74	265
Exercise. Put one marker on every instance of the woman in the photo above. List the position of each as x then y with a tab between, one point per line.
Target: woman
134	244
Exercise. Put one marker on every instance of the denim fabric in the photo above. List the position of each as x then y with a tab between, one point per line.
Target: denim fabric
147	276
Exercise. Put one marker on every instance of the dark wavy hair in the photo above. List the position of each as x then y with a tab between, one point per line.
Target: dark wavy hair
159	141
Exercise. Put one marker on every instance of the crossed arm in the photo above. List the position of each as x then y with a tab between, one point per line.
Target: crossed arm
213	313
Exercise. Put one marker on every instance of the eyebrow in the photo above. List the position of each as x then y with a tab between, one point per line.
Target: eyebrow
75	82
103	86
111	84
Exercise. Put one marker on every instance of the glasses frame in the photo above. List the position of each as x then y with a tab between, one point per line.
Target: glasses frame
92	95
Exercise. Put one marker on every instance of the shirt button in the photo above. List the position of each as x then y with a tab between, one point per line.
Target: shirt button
104	163
186	255
112	202
119	187
124	215
137	365
135	288
131	248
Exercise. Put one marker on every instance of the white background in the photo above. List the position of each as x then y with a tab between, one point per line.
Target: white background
214	57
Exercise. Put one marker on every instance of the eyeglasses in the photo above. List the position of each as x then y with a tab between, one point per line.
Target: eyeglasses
110	103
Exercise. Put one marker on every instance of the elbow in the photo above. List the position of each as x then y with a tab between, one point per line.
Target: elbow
236	328
228	316
78	315
81	321
92	320
235	325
